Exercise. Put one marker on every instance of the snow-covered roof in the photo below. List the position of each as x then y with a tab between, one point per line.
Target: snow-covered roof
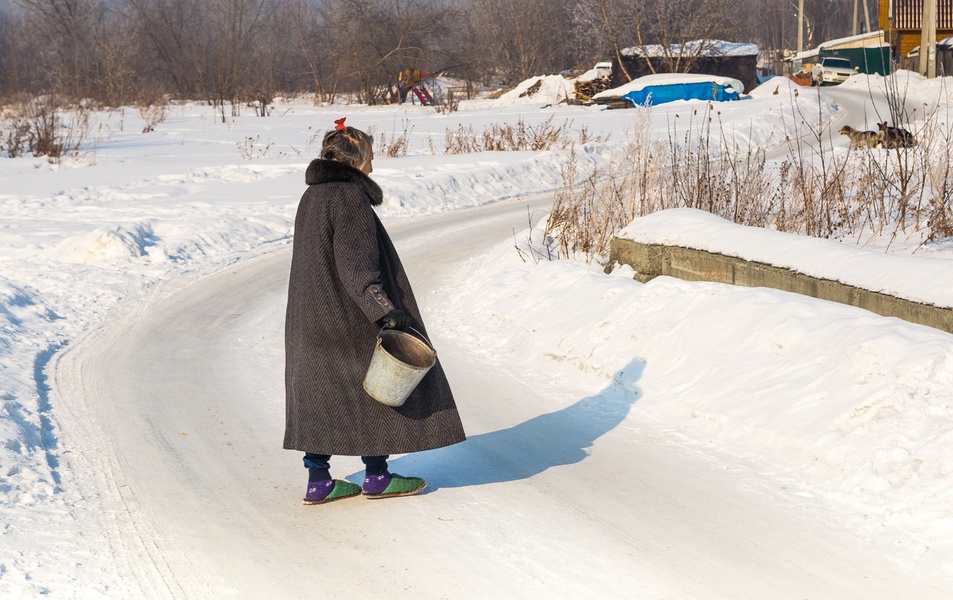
805	55
871	35
877	37
671	79
696	47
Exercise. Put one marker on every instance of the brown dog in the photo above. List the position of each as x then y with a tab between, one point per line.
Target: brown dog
861	139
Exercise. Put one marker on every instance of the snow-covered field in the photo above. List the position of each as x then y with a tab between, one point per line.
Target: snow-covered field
851	414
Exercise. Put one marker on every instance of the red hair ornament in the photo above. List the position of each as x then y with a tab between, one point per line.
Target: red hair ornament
339	124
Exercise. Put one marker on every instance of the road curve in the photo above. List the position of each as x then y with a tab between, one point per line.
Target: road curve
175	415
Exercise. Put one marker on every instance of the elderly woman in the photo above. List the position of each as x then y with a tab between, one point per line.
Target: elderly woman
347	283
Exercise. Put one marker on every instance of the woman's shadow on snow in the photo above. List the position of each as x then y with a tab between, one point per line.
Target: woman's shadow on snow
557	438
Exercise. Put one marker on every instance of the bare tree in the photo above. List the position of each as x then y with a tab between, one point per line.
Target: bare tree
11	32
115	46
525	37
311	35
66	28
678	32
381	38
233	46
172	48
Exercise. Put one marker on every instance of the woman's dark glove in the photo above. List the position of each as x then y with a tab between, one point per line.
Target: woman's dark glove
395	319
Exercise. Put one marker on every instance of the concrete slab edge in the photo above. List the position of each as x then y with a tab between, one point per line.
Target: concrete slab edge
652	260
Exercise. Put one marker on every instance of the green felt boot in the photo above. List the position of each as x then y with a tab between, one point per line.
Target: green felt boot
321	492
391	485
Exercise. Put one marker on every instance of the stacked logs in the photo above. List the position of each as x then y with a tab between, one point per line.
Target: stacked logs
585	90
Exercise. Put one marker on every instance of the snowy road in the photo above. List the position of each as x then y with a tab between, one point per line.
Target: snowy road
176	421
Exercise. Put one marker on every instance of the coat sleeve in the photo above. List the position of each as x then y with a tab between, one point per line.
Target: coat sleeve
357	252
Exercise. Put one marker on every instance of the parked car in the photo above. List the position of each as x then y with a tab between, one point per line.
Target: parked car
832	70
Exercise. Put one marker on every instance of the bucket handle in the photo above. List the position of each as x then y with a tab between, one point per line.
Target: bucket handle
419	334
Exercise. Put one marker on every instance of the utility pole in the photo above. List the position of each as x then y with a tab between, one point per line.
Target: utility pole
855	18
867	17
928	40
800	26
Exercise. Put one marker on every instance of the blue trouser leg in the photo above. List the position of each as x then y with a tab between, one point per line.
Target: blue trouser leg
319	465
375	465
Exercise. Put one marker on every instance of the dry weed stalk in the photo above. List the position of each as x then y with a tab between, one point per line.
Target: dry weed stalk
398	144
940	220
591	208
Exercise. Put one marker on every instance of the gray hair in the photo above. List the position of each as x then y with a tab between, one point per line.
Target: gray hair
349	145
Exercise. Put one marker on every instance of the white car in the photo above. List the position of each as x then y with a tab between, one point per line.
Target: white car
603	69
831	70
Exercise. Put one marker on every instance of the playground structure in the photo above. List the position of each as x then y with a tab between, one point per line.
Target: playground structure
413	83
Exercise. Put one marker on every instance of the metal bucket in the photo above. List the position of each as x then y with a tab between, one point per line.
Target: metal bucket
399	362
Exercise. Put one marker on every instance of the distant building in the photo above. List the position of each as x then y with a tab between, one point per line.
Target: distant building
869	52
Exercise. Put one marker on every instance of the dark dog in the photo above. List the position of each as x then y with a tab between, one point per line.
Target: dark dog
895	137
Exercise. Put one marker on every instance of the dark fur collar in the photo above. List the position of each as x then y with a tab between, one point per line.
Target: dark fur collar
328	171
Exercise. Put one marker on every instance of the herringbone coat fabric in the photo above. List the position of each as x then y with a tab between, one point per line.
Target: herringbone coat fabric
345	276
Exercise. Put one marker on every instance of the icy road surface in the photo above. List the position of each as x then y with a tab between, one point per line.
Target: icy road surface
177	417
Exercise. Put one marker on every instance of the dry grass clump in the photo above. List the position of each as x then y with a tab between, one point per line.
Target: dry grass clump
816	190
510	138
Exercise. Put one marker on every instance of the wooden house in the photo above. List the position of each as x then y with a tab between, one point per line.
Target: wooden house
901	19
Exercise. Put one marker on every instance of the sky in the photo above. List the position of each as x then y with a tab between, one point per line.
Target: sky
851	412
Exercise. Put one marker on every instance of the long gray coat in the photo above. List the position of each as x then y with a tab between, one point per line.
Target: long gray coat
345	275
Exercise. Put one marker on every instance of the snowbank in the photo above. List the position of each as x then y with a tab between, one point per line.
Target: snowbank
838	404
549	89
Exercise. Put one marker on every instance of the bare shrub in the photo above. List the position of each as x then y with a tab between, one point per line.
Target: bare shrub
16	138
43	128
153	112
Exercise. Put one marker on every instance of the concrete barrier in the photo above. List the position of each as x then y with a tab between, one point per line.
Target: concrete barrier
652	260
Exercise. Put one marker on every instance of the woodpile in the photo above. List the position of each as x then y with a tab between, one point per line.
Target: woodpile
614	102
801	78
585	90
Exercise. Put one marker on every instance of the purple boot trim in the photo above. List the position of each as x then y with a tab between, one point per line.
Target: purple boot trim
319	490
376	483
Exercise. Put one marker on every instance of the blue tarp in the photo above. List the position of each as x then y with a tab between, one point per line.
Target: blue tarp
659	94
